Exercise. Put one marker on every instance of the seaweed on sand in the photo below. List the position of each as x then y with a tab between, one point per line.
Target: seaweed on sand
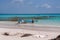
6	34
26	35
57	38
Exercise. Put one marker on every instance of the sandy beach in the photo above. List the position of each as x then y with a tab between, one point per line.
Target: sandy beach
35	29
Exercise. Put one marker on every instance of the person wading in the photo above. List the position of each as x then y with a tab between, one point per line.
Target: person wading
32	20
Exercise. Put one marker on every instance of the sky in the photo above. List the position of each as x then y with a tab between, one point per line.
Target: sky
29	6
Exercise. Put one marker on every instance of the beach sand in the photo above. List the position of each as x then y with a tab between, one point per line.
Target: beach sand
13	28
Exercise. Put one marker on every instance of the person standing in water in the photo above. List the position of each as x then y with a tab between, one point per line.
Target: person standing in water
32	20
19	20
22	20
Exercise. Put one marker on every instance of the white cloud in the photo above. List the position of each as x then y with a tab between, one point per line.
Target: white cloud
43	6
46	6
18	1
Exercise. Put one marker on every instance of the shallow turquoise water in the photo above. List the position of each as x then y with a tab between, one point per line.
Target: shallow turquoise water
51	21
54	20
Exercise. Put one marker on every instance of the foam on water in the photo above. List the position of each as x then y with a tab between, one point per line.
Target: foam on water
51	21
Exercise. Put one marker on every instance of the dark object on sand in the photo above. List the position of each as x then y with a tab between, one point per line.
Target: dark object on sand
6	34
57	38
26	35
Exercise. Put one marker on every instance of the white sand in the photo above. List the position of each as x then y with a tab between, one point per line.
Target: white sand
12	28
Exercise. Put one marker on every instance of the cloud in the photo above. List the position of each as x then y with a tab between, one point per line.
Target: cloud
46	6
43	6
18	1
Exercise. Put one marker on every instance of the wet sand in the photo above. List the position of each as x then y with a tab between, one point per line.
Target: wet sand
13	28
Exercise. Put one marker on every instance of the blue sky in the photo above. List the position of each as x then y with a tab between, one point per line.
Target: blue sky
29	6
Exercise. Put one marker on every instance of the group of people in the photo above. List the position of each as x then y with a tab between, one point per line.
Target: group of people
20	20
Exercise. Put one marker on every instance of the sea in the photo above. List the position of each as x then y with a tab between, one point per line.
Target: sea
54	20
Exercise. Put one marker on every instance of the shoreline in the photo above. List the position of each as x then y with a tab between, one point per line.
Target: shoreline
29	26
12	28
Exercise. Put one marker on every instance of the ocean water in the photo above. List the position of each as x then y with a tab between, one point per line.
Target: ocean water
55	20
